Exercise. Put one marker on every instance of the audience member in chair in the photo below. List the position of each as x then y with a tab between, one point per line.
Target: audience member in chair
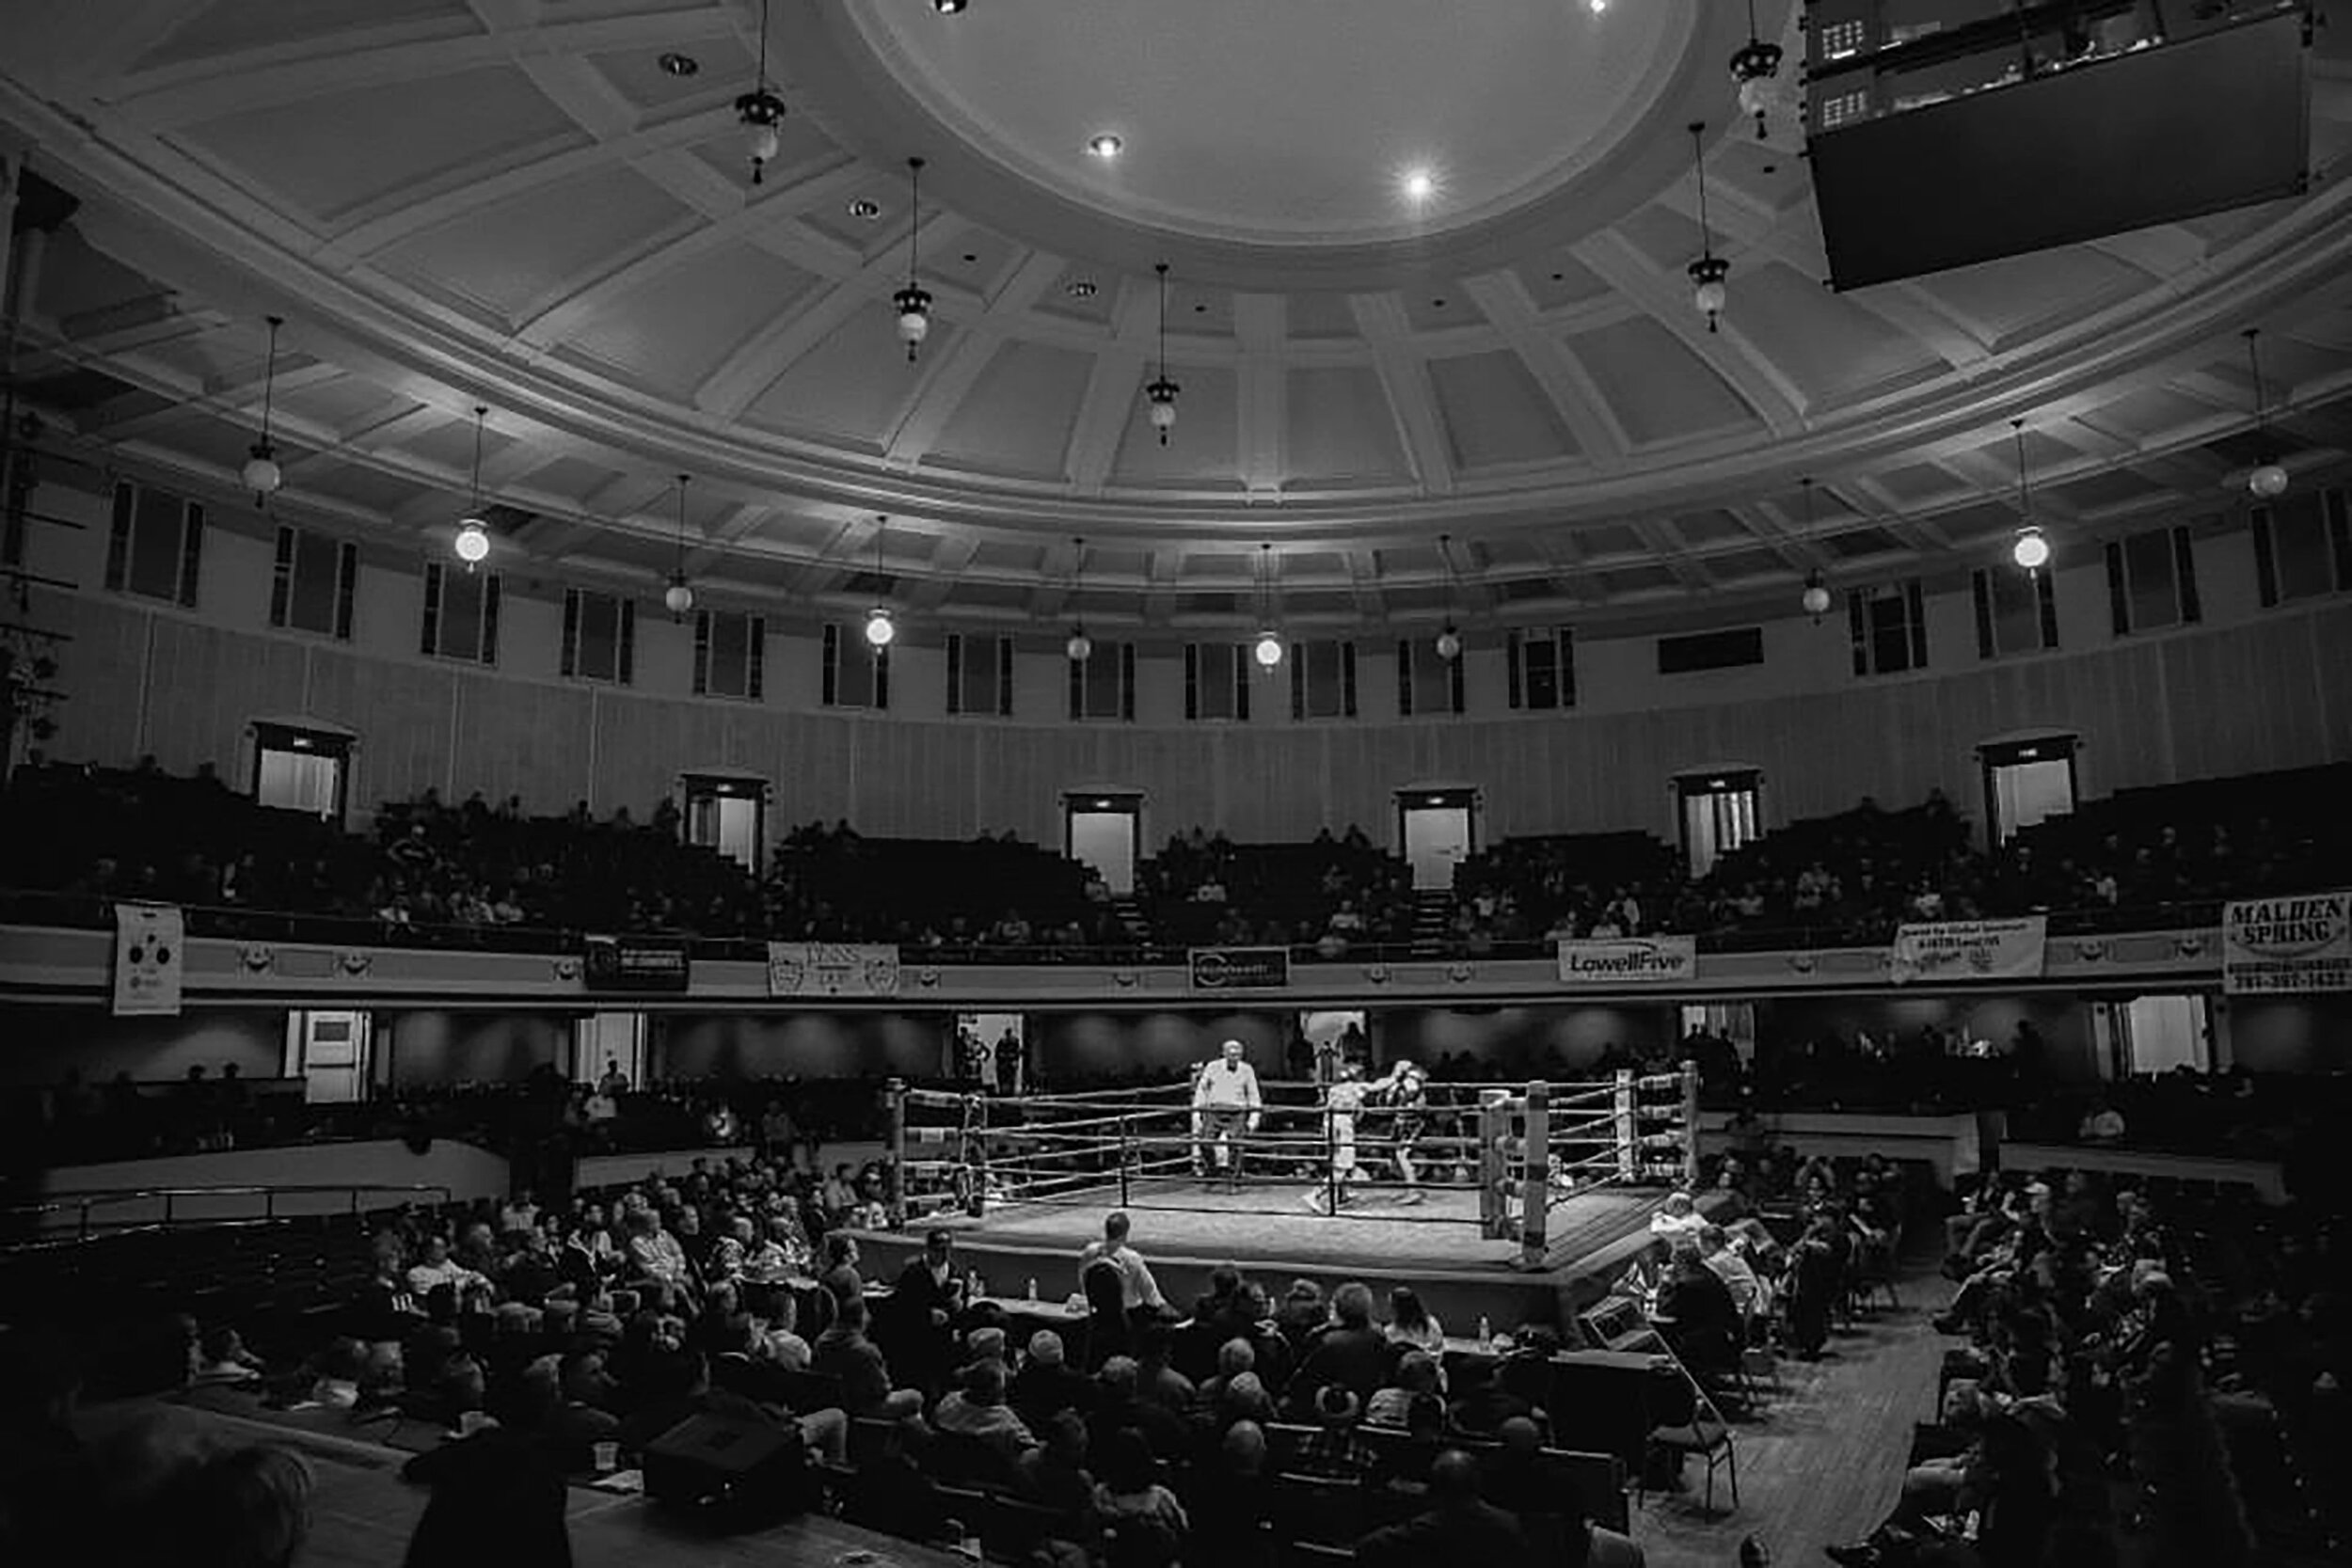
497	1502
1701	1321
1148	1525
977	1410
1046	1386
1334	1451
1138	1292
1351	1351
845	1353
1121	1408
1460	1527
1234	1497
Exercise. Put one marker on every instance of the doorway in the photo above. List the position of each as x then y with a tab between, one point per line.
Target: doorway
328	1050
2149	1035
617	1038
301	770
1105	834
728	814
1718	813
992	1051
2026	782
1439	830
1333	1040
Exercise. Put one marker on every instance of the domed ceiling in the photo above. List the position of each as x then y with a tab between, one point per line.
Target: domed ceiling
1426	277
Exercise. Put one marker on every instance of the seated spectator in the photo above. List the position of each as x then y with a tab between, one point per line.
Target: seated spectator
1350	1351
1046	1386
1698	1315
1678	1217
438	1268
1120	1407
1233	1501
1147	1525
1416	1380
1459	1527
1411	1325
497	1502
1481	1405
1156	1380
1333	1451
845	1353
1749	1292
2101	1124
223	1358
1140	1291
977	1410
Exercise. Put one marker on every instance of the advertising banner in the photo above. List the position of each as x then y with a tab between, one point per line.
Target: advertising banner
1969	950
1240	968
2300	942
1628	961
635	963
832	969
150	942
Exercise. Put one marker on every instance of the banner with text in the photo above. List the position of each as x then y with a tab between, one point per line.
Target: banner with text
832	969
149	940
1628	961
1240	968
1969	950
635	963
2295	943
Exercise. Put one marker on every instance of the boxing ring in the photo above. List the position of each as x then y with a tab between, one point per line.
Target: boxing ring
1507	1162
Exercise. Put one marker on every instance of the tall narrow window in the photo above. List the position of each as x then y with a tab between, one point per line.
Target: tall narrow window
856	673
461	613
1719	815
156	544
317	580
2016	611
728	815
599	636
1323	679
1542	666
2152	582
1102	685
1426	683
2303	546
301	770
1217	680
16	505
980	675
1890	628
730	654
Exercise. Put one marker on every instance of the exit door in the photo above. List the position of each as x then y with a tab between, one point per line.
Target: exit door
1439	831
328	1050
1103	832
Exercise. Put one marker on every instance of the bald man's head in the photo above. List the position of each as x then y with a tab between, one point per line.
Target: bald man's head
1453	1478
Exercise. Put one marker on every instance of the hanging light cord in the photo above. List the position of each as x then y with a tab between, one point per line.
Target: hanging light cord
2024	498
1698	162
677	565
1163	271
915	212
481	412
2254	362
759	73
269	377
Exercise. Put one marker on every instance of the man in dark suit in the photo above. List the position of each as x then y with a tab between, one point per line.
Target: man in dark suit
1459	1527
924	1304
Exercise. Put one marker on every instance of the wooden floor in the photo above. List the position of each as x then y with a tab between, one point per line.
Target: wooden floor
1822	1464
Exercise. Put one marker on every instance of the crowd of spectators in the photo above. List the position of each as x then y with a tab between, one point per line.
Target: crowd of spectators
429	870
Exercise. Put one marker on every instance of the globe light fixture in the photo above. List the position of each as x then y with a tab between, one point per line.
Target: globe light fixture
472	543
1755	66
1161	392
2031	550
914	302
679	596
1448	643
1079	647
262	474
760	112
1708	272
1815	599
880	628
1268	650
2268	479
950	8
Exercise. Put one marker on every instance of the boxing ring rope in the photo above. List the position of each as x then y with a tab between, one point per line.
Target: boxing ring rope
1522	1150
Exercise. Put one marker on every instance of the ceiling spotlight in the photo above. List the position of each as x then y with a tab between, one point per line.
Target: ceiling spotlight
760	111
914	302
676	64
865	209
1268	650
1596	6
262	474
1816	598
950	8
472	544
879	627
2268	481
1104	145
1419	184
2031	550
1755	66
1079	288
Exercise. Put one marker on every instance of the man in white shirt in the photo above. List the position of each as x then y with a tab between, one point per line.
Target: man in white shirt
1137	1289
1225	1103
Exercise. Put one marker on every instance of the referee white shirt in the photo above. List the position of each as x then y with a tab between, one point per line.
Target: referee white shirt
1227	1084
1136	1285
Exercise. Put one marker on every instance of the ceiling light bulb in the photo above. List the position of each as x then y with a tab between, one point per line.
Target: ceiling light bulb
761	143
1449	644
880	628
677	598
1756	96
949	7
1711	297
1104	144
1080	647
472	544
1816	601
1268	650
2031	550
1419	184
1596	6
2267	481
263	476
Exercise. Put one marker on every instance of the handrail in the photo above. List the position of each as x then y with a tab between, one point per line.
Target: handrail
98	1198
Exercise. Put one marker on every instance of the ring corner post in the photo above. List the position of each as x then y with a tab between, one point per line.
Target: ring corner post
1628	1130
894	1102
1691	1126
1536	1175
1494	1126
1125	1200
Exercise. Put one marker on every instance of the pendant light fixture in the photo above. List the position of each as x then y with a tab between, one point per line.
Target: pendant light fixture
263	476
472	544
1080	647
2031	550
760	111
1268	650
1708	272
1816	597
1755	66
914	302
1449	637
679	596
1162	391
2268	480
880	628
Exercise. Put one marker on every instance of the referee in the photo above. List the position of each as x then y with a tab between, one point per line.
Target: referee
1225	1105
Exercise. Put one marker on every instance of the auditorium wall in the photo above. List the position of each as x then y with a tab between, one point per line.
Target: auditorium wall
800	1045
2063	1023
43	1041
1523	1040
1066	1045
2290	1034
2249	690
430	1046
